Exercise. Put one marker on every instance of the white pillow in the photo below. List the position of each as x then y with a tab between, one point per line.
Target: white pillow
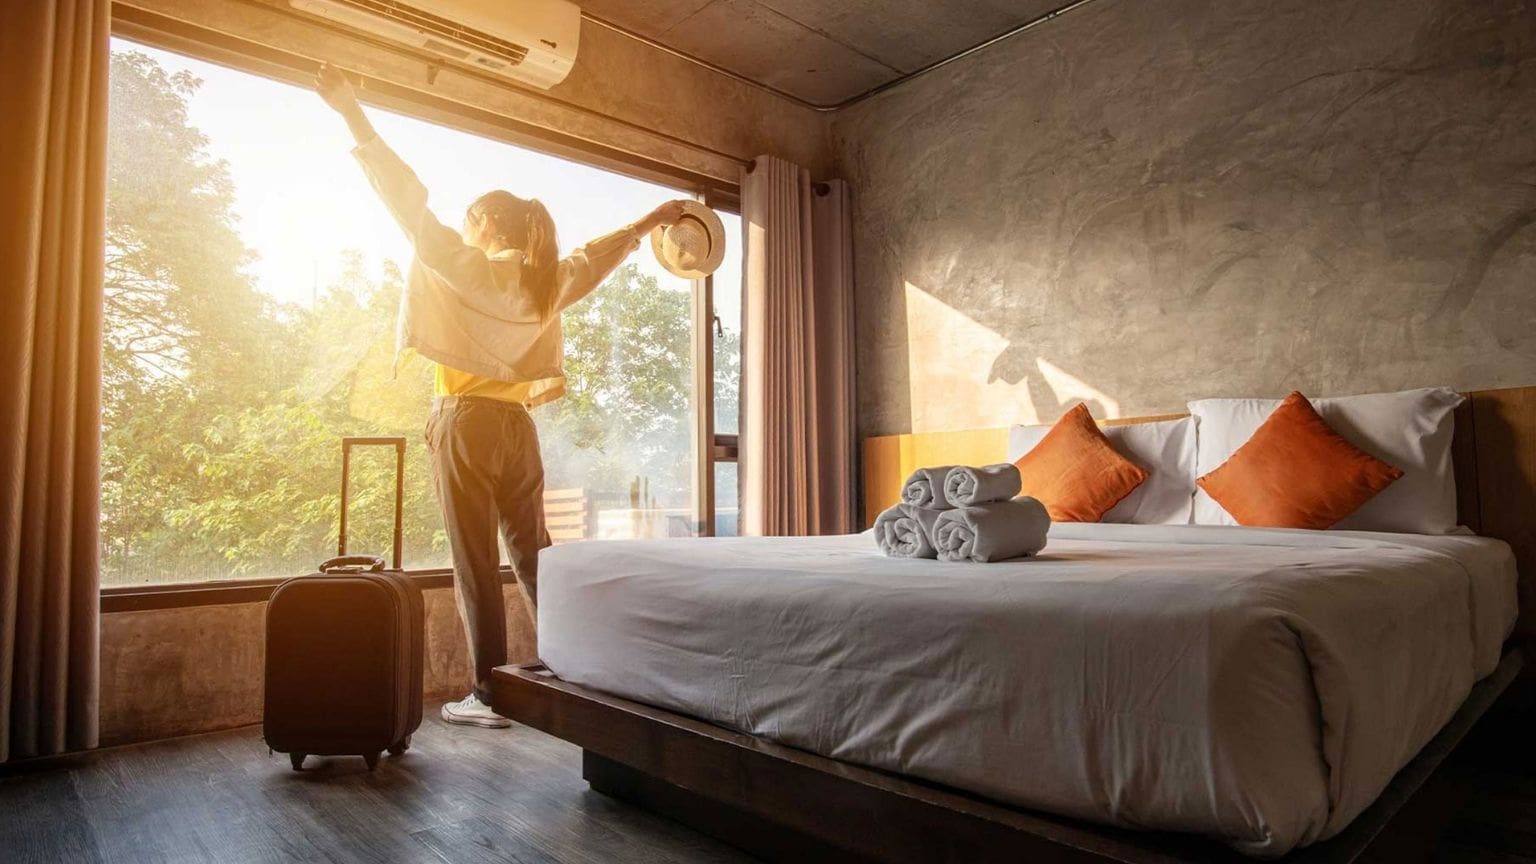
1411	430
1166	448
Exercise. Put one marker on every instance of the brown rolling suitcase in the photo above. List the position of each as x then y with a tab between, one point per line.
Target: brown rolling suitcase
344	649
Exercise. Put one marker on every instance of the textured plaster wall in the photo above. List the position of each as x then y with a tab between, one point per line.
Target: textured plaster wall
167	672
1140	203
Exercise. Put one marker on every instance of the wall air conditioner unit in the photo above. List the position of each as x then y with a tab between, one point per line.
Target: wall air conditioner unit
529	41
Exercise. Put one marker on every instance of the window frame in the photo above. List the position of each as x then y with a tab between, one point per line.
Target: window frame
722	448
276	64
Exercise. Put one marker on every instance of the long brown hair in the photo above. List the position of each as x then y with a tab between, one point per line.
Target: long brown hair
524	224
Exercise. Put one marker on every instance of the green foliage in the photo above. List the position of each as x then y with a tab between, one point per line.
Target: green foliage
629	379
223	411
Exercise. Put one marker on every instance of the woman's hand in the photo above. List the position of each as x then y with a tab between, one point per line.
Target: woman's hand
669	213
332	85
336	90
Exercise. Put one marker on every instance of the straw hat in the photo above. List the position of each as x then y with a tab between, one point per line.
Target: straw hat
692	247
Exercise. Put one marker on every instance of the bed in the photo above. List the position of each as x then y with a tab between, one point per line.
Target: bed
1261	687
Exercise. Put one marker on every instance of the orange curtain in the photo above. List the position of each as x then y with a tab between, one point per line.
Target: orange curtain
797	439
53	101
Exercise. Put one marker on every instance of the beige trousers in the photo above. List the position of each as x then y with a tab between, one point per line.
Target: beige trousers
489	479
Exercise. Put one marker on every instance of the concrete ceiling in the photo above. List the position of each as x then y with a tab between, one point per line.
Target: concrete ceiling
821	52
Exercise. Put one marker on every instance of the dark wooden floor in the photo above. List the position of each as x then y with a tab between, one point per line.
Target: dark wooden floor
1496	821
459	795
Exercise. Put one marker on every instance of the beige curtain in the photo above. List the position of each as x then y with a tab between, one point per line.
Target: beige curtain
796	462
53	100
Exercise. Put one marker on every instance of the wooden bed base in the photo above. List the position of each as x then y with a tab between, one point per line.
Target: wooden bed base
784	804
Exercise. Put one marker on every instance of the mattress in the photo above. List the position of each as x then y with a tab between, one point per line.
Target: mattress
1259	686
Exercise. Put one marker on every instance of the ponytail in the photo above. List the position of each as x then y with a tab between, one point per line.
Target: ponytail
525	225
541	257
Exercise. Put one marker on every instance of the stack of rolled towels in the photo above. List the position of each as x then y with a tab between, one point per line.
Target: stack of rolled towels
963	513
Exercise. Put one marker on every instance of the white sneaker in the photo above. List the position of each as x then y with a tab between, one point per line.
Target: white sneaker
470	711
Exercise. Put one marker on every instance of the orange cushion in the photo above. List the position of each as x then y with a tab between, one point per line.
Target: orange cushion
1296	472
1075	472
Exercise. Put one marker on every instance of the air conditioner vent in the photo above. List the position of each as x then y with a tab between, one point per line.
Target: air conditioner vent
426	22
531	42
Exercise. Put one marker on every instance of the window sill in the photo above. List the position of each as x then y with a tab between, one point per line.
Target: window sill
181	595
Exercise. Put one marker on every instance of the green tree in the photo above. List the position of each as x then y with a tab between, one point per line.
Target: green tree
176	284
628	369
270	498
185	329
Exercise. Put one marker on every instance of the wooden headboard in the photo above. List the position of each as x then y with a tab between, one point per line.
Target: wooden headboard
1494	452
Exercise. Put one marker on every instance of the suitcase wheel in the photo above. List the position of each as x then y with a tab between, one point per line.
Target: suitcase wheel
297	760
404	745
372	759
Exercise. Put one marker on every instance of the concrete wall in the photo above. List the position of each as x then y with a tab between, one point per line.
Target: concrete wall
1140	203
167	672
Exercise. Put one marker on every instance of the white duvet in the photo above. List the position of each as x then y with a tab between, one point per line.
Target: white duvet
1260	686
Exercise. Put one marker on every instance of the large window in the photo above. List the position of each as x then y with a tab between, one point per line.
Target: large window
252	283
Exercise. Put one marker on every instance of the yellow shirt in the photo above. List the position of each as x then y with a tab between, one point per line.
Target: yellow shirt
452	382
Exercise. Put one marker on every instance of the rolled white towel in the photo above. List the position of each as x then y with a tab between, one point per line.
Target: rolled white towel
991	532
906	531
925	488
965	486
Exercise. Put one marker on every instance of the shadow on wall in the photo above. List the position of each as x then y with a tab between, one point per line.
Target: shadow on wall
963	374
1197	199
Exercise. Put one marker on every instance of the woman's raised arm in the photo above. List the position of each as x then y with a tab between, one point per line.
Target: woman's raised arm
464	269
587	266
336	90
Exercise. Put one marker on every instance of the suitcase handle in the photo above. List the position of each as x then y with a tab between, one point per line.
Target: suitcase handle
347	443
352	564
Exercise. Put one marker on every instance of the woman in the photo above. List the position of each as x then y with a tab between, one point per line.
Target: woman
485	306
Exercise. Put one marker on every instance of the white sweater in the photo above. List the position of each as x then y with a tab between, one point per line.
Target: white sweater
462	308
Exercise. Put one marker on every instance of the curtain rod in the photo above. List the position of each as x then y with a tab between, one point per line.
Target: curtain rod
820	187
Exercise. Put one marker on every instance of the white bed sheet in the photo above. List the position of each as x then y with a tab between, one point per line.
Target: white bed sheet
1260	686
